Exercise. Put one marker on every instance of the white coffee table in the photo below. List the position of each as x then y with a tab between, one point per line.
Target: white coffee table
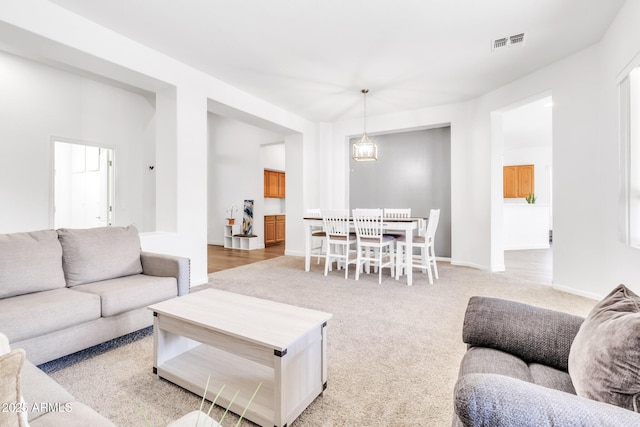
241	342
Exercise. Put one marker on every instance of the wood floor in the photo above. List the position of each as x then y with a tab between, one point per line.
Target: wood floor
533	264
220	258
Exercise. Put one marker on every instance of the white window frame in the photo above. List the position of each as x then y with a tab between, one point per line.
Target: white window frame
629	91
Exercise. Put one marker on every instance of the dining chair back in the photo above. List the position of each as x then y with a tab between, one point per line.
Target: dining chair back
397	213
373	245
339	239
425	241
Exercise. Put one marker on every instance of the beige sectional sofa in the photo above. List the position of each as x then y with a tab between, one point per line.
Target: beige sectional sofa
66	290
62	291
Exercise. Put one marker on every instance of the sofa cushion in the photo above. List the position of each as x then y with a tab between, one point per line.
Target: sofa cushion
38	387
549	377
497	400
10	395
604	361
95	254
480	360
130	292
27	316
30	262
74	414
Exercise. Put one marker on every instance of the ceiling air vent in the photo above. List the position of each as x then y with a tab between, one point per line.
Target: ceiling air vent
500	43
516	39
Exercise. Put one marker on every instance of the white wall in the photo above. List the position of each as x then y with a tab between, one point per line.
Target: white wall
236	172
39	102
183	95
589	256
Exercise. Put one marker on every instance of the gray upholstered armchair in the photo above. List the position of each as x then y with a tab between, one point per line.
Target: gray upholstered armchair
515	371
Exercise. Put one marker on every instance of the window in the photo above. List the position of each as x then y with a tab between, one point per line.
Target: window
630	152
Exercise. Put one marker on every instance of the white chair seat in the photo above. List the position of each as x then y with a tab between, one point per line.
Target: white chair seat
416	239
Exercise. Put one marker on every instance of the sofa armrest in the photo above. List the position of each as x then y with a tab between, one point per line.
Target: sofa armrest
168	266
498	400
532	333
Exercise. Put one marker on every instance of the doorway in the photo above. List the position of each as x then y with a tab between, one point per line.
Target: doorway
83	185
528	222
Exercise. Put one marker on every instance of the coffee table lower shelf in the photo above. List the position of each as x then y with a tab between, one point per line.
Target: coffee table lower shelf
193	368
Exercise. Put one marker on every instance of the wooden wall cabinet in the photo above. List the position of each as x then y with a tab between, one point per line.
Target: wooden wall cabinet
274	229
274	184
518	181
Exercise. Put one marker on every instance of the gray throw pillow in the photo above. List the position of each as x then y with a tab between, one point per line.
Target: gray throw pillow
95	254
604	361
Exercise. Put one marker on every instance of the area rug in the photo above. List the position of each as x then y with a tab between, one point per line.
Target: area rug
393	350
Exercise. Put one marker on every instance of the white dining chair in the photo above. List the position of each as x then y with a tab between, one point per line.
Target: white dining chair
373	244
317	234
425	242
339	239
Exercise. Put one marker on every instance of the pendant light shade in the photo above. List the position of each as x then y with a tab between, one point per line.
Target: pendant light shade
364	150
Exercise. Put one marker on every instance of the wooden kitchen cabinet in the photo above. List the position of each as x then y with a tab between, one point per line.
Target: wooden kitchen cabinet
518	181
269	230
274	229
280	228
274	184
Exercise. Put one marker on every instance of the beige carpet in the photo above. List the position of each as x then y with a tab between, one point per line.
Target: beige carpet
393	350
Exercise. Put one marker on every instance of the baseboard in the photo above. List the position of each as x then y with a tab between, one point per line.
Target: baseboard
570	290
469	264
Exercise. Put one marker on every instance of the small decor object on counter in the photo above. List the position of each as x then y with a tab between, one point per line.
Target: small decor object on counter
232	212
531	198
247	218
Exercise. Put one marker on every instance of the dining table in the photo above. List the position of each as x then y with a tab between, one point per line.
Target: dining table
405	225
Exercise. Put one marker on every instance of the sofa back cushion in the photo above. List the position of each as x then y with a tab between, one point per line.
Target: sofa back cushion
95	254
30	262
604	361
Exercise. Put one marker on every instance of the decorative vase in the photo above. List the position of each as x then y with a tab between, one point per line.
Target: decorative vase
231	221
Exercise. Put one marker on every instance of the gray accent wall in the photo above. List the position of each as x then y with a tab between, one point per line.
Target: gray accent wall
413	171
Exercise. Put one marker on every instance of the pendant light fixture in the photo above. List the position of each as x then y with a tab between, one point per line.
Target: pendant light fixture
364	150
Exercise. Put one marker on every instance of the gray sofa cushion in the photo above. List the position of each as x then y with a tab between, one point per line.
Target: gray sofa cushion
26	316
604	362
480	360
496	400
30	262
130	292
95	254
535	334
549	377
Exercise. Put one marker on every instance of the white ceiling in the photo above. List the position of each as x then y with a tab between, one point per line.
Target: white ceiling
312	57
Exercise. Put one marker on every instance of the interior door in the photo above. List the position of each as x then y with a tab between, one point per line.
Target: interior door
83	185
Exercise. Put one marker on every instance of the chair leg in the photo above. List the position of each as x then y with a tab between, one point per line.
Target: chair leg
346	262
327	260
320	250
432	256
358	263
